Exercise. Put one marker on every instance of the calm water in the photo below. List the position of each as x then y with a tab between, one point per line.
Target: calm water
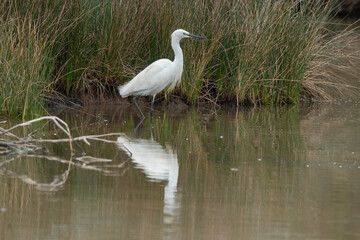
269	173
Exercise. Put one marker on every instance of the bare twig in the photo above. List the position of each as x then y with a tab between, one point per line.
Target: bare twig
81	138
6	133
89	159
25	145
58	122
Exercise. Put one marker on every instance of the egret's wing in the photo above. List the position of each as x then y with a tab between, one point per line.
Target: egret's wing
149	81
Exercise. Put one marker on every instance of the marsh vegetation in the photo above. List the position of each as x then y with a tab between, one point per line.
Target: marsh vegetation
257	52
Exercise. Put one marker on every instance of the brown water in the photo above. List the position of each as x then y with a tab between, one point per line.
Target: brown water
286	173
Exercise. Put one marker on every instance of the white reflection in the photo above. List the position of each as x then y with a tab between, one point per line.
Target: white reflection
159	164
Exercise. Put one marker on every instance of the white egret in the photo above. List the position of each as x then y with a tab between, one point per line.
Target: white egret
158	75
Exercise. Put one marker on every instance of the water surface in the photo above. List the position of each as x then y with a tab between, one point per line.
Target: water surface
267	173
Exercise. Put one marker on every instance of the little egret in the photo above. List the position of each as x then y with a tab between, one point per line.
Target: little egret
158	75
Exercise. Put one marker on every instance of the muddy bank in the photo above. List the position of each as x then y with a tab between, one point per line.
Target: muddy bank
173	104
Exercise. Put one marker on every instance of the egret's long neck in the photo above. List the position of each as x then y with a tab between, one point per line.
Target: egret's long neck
177	51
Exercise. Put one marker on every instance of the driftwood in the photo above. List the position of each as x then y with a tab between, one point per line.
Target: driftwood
21	145
16	147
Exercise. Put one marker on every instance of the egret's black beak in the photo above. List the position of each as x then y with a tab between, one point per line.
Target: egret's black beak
194	36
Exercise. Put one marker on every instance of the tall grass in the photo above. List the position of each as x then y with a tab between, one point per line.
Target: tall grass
23	68
256	52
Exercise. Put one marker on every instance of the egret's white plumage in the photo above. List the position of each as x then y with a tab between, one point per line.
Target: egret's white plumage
152	79
158	75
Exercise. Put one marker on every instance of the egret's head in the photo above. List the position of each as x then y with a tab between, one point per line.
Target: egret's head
180	34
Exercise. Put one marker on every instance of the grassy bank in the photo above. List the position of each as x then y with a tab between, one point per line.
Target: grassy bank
257	52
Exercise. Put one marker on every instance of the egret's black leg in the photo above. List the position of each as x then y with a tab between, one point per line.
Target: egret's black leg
152	106
134	99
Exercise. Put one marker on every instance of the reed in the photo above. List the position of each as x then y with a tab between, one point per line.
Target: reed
257	52
24	68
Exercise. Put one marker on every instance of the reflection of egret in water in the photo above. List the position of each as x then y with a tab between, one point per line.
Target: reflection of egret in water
159	164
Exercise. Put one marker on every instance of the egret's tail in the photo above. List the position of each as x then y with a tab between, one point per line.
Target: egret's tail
128	90
121	90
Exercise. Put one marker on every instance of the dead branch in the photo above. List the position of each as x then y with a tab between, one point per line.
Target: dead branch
26	145
81	138
58	122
